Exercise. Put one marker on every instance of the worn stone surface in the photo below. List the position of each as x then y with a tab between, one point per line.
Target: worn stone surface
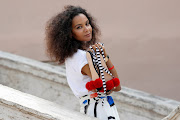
174	115
36	78
141	36
140	105
15	105
49	82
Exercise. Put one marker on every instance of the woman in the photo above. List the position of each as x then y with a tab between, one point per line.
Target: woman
69	35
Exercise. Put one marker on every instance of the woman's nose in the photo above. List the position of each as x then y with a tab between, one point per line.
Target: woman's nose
85	28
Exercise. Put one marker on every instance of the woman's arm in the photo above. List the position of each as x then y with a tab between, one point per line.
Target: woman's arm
86	70
109	65
114	73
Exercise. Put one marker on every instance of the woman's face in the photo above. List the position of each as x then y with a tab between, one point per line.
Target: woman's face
81	29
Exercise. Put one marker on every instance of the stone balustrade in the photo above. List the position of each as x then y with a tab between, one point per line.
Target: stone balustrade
49	82
16	105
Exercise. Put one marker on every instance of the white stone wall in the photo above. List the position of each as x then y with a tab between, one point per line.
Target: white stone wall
36	78
49	82
15	105
174	115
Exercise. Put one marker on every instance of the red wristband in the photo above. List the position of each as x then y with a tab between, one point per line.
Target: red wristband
111	68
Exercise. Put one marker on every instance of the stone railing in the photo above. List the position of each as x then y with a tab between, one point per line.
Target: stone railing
15	105
174	115
49	82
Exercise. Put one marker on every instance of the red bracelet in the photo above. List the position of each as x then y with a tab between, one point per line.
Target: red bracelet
111	68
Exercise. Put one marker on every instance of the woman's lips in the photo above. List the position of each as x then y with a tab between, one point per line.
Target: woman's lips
88	35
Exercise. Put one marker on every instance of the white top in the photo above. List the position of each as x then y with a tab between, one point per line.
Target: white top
75	78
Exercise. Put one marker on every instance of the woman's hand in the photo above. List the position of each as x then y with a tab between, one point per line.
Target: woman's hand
94	90
108	93
98	45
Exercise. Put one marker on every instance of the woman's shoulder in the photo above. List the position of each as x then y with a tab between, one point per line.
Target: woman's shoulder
80	52
78	55
77	61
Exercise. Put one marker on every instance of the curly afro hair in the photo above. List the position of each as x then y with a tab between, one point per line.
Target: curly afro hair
59	41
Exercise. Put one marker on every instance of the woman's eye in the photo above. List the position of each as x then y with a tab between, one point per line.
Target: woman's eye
78	27
87	23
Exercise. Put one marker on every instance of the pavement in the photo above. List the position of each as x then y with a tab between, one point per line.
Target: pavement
141	37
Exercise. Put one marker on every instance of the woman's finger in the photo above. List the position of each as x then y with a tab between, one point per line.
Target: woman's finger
101	46
109	92
94	47
97	45
89	49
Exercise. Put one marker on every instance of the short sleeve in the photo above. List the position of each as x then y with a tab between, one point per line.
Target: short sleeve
81	60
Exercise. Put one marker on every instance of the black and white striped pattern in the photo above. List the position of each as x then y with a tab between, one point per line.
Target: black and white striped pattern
95	65
97	62
101	69
99	106
94	59
107	71
102	52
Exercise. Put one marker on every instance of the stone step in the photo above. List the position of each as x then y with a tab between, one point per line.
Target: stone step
49	82
174	115
16	105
